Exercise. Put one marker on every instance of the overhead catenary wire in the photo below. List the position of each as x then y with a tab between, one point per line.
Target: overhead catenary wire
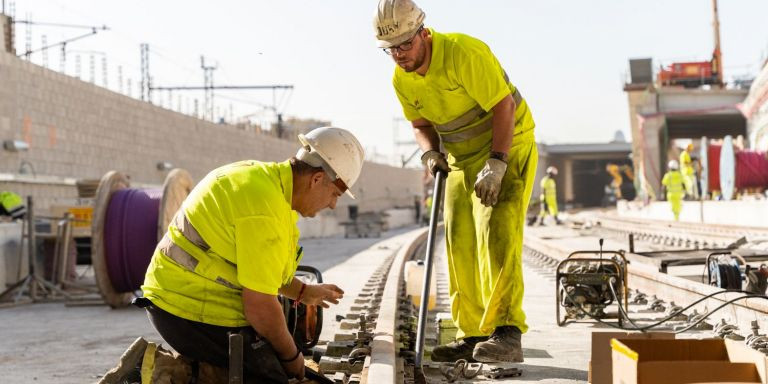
165	58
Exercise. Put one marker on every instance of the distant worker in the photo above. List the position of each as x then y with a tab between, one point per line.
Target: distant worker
233	247
455	92
427	210
548	196
687	170
12	205
617	179
675	187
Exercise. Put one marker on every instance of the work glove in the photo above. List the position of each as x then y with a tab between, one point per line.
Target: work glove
488	184
435	161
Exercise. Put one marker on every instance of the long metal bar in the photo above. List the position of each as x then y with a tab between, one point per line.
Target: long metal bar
62	25
437	197
31	247
64	42
64	249
195	88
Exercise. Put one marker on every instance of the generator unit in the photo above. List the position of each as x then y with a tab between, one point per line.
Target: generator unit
589	281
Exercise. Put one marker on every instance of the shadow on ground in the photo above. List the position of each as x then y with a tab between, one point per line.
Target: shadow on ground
545	372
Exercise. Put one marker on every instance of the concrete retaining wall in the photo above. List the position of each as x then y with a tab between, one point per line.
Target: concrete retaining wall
11	256
76	130
745	213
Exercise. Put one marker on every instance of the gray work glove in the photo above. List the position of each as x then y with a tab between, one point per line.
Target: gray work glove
488	184
434	161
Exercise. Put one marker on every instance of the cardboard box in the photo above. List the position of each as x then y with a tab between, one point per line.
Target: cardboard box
600	364
660	361
738	352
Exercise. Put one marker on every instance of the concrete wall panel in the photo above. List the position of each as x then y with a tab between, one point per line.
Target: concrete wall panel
78	130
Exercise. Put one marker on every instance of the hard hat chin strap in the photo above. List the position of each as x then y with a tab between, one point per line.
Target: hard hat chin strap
312	158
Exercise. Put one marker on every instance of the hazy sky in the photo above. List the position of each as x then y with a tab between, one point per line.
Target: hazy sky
569	58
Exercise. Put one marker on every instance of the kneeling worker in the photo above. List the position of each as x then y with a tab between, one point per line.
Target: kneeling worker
233	247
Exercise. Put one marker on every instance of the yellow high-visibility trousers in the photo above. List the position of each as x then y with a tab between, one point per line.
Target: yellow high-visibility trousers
548	205
688	183
485	244
676	201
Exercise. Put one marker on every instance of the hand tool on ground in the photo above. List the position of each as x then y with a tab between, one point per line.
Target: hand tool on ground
498	373
460	369
437	196
313	375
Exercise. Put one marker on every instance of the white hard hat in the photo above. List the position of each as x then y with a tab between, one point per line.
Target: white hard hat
551	169
396	21
337	151
673	164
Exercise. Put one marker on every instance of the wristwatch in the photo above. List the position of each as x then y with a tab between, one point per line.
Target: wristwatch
499	156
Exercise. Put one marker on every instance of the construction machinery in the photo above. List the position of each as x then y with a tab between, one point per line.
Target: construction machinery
696	73
589	281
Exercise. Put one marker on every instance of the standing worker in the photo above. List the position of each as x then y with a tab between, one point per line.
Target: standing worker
548	196
686	168
454	91
233	247
673	183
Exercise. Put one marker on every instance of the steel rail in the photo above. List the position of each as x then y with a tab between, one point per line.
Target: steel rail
647	279
689	235
384	364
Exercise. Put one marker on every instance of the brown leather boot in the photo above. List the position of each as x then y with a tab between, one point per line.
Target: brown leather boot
503	346
455	350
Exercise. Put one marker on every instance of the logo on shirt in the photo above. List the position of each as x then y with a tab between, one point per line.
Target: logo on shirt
417	104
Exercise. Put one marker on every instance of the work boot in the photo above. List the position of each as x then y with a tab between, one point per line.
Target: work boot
455	350
558	221
541	221
532	220
503	346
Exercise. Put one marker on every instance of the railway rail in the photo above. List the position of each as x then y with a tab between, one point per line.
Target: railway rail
679	234
375	343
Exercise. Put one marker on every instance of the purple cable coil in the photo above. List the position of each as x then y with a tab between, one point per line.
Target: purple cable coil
130	236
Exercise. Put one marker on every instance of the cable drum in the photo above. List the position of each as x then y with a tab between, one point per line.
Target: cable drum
751	170
127	224
178	184
130	235
728	169
713	167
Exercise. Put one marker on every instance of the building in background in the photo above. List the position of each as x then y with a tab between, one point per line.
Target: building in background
583	179
755	109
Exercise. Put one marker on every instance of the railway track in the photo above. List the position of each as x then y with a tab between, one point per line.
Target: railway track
375	341
678	234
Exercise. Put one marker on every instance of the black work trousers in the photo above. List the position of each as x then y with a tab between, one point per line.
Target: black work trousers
210	343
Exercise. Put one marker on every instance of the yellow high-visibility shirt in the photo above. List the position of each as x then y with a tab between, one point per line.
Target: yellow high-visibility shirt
673	181
686	165
548	188
243	213
463	73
